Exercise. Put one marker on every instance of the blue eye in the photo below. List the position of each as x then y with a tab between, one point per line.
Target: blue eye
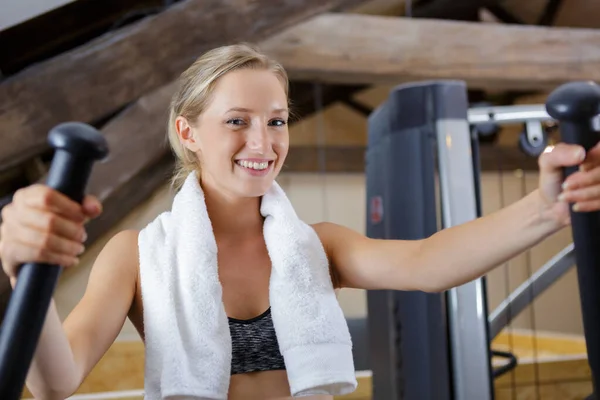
236	121
278	122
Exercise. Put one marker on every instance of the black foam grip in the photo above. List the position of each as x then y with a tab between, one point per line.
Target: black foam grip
77	147
574	105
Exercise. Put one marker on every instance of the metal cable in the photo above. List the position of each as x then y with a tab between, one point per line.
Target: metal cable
321	146
507	291
532	306
408	8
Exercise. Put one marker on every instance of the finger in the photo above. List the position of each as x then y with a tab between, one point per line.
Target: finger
91	206
592	158
587	206
23	253
561	155
582	178
44	221
588	165
44	242
583	194
45	198
591	161
595	149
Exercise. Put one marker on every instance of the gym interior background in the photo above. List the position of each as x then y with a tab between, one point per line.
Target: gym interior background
344	57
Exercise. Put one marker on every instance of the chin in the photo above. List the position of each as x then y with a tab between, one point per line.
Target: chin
254	189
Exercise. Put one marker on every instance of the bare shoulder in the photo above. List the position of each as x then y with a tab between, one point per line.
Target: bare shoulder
324	231
123	244
115	269
360	262
120	253
116	262
333	235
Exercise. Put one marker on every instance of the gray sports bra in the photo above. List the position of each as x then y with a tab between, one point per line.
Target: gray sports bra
254	345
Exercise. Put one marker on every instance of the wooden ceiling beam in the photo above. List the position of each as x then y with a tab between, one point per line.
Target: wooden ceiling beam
96	79
351	159
66	27
139	162
365	49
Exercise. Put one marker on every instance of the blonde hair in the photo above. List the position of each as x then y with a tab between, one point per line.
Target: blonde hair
195	87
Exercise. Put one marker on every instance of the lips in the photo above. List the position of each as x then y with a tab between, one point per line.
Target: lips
255	167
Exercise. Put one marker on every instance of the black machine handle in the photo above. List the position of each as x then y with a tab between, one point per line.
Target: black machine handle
77	146
574	105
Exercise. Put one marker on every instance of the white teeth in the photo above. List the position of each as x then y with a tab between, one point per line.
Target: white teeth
254	165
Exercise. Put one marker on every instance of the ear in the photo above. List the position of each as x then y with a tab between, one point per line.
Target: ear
186	133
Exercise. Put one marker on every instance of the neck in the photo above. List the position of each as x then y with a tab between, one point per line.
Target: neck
231	215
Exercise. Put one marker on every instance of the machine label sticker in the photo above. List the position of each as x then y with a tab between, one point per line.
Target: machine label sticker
376	209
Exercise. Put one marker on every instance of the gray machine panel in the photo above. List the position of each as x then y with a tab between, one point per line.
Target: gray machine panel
415	350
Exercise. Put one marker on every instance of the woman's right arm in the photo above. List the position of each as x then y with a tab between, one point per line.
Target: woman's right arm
44	226
92	326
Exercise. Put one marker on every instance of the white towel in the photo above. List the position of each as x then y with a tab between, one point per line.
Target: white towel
188	345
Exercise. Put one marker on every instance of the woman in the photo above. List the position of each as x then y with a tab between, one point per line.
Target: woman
228	121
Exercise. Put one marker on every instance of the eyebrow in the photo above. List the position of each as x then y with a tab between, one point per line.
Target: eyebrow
242	109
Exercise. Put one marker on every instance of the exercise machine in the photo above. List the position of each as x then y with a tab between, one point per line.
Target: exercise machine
77	146
422	170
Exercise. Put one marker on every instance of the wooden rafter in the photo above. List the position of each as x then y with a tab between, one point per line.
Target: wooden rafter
351	159
139	162
550	11
66	27
365	49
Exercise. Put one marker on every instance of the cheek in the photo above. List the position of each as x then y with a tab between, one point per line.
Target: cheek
281	144
222	145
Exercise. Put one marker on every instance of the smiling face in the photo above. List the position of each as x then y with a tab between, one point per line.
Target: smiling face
241	138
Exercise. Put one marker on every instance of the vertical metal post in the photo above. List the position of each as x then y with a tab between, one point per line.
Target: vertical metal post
467	305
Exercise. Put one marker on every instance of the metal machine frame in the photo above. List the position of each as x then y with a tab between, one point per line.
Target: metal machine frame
422	176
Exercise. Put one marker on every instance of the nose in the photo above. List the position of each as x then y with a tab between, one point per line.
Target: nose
258	139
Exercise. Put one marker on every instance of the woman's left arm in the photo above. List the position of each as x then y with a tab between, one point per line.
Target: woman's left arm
459	254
